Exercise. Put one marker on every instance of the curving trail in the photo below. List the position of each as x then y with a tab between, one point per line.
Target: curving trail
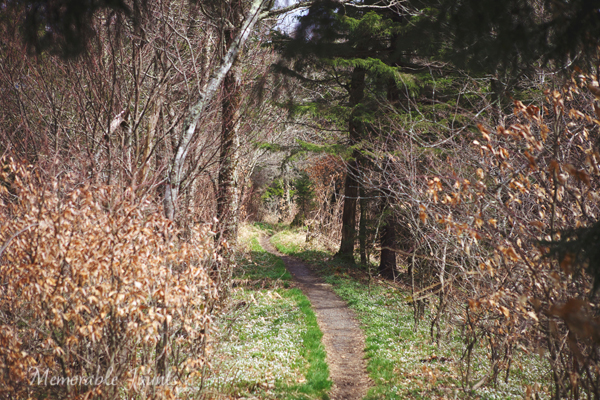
342	336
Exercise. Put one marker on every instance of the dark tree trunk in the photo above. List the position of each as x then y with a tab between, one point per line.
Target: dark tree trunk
387	266
357	88
362	227
349	213
329	209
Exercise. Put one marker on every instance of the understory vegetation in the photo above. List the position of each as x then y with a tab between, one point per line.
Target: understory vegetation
404	359
437	162
99	295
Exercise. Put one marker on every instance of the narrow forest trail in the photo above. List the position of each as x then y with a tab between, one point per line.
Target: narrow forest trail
342	337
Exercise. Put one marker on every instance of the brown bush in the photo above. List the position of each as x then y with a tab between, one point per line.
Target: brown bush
527	184
489	224
98	297
327	175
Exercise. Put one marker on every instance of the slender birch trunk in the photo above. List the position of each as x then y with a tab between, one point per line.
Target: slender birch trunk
196	110
259	9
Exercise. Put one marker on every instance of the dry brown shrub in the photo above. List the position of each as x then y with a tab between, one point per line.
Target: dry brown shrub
482	213
94	284
526	184
327	175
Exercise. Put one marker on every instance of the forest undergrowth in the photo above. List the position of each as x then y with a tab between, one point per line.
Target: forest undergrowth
268	344
403	359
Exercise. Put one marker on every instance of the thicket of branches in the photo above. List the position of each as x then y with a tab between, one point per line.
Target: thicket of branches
495	228
490	218
99	291
96	280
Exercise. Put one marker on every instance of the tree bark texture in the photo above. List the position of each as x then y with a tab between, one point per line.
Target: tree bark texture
362	227
197	110
357	88
387	260
228	196
387	265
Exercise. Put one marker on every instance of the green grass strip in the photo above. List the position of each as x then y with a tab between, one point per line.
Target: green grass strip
317	375
264	265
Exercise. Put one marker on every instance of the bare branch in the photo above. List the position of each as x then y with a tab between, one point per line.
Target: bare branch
204	98
7	243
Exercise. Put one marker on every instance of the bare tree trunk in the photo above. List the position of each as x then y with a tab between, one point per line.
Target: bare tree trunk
387	260
228	196
349	213
148	142
287	193
362	227
387	265
357	87
197	110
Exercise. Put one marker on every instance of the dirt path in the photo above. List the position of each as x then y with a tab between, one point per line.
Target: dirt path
342	337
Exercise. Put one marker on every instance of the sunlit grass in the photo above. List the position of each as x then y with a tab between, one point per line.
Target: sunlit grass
403	361
269	344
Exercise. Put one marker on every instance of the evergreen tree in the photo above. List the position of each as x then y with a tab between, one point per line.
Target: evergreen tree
374	54
516	35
